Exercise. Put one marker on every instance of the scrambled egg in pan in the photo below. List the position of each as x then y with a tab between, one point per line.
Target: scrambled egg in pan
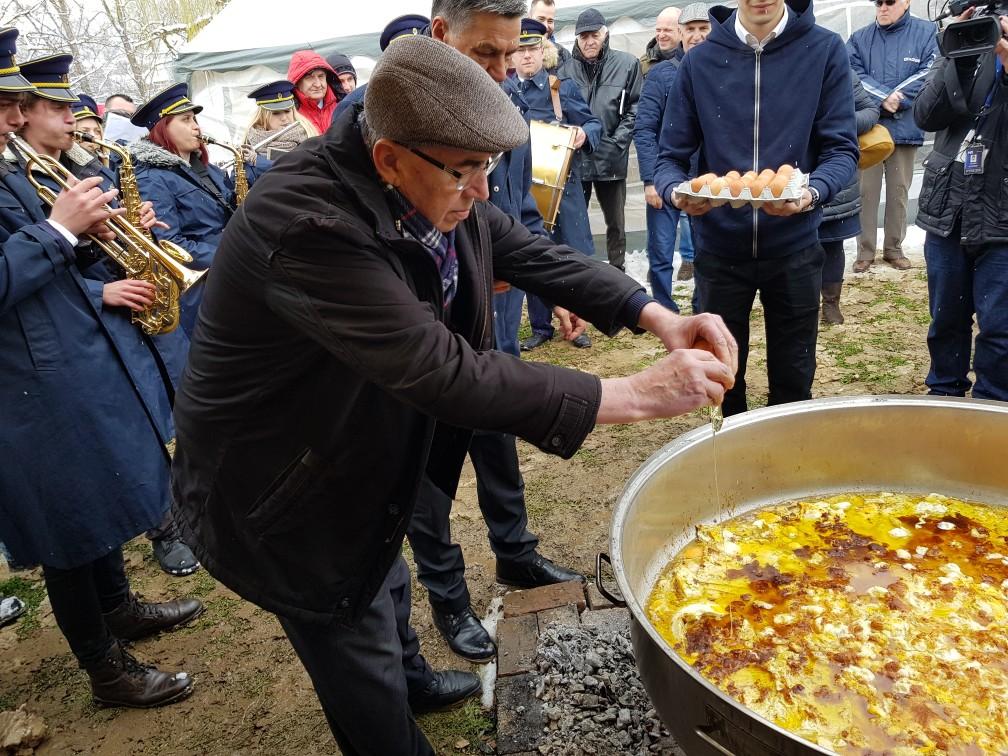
865	623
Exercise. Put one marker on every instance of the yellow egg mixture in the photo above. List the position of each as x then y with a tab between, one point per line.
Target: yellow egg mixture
866	623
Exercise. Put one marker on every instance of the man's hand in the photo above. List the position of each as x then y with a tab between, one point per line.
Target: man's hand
707	332
579	138
83	207
137	295
681	382
791	207
148	219
652	197
571	326
1001	48
692	205
892	102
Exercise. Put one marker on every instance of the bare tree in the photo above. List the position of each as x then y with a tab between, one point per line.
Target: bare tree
118	45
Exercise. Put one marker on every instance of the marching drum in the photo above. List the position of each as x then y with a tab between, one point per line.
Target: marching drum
552	151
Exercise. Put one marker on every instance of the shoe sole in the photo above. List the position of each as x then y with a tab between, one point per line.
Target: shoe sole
474	659
180	573
183	694
171	628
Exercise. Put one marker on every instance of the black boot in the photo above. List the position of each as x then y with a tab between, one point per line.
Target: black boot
465	635
134	619
120	680
446	690
533	572
534	341
831	304
174	556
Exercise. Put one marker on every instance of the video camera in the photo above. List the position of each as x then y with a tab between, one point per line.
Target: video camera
976	35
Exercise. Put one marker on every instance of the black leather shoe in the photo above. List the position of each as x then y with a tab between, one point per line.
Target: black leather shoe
582	342
120	680
534	341
534	572
447	690
134	619
465	635
174	556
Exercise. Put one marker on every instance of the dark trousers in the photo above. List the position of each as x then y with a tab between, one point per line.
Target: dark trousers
165	529
501	492
612	199
961	284
364	674
79	596
789	288
832	271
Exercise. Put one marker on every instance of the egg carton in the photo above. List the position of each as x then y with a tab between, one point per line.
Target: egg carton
792	192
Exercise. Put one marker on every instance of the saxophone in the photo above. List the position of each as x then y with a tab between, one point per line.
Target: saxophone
240	180
158	263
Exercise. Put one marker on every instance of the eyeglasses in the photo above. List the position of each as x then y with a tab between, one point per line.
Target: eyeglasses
462	180
880	3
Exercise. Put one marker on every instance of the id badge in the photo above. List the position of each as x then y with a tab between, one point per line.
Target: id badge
973	159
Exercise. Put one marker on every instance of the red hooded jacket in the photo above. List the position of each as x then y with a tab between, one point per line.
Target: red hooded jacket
302	62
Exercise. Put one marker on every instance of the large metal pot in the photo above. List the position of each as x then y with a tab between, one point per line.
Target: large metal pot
909	444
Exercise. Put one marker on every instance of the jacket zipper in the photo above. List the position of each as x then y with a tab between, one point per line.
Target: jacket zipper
756	129
487	279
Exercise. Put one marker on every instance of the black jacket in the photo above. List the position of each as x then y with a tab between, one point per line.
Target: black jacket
847	202
949	104
611	85
325	375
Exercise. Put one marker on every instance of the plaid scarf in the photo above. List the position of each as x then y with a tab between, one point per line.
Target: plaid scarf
440	246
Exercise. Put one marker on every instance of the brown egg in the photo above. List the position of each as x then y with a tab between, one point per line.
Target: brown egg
733	175
716	186
748	176
700	181
786	169
779	183
735	187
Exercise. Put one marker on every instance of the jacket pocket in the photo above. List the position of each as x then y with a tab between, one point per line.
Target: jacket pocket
936	185
283	495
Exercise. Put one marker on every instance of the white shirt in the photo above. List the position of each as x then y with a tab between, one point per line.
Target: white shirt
747	37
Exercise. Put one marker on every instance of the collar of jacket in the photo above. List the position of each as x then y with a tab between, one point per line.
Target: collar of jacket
145	151
895	26
541	79
723	26
655	54
79	156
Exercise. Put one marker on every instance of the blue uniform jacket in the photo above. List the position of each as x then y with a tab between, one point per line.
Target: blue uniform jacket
893	57
511	181
84	468
196	217
148	358
572	227
807	121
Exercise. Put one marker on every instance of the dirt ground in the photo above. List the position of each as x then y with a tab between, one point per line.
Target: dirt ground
253	697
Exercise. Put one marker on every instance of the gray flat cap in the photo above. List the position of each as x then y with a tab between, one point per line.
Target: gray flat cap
424	92
694	12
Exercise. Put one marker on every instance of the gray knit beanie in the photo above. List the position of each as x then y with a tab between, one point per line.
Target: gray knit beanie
423	91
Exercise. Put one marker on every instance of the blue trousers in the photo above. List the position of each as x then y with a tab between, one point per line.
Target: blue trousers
507	319
662	226
962	284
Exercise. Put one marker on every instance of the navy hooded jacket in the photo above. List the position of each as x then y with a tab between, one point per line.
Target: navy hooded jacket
745	110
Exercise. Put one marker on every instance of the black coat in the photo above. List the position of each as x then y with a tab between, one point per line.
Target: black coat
611	85
841	216
948	105
325	375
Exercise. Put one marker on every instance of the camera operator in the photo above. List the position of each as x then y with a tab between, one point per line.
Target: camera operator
964	209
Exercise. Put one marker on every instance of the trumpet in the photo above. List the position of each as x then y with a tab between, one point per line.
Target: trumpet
240	180
263	142
158	263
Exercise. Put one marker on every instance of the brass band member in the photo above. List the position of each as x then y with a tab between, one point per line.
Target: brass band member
73	487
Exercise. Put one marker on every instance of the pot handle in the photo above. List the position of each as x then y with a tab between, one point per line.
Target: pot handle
706	735
612	598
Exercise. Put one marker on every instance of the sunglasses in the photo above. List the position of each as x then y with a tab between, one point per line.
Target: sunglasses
880	3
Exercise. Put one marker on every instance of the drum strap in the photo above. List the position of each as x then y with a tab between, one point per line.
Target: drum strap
554	85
